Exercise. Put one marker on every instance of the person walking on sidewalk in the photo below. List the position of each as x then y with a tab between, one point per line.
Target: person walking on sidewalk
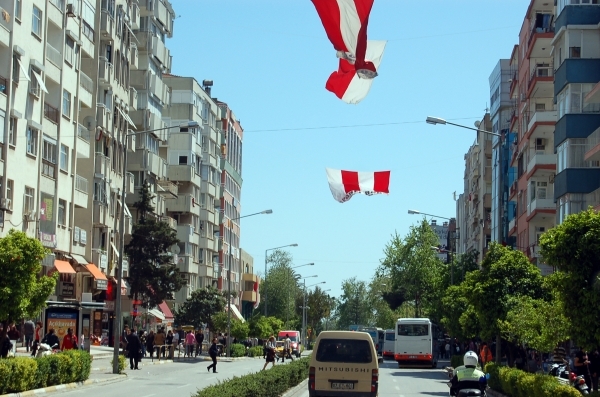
199	339
69	341
37	338
190	342
28	330
213	351
270	346
134	349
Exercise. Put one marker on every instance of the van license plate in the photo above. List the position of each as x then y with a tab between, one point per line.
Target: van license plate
412	356
342	386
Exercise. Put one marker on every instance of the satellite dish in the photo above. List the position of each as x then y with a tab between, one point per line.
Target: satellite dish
175	249
477	124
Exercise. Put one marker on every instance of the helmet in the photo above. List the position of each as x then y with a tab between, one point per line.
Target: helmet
470	359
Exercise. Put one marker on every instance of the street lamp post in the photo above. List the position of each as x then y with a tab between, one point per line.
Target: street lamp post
118	314
437	120
416	212
265	279
287	312
304	307
229	339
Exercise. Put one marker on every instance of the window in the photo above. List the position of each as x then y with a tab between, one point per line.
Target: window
28	200
69	50
48	158
18	10
66	111
10	187
350	351
62	212
64	158
99	192
36	23
571	100
32	140
571	153
183	160
413	329
574	52
12	131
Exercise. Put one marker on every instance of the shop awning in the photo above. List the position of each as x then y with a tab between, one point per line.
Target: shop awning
64	267
236	313
157	313
79	259
166	311
98	275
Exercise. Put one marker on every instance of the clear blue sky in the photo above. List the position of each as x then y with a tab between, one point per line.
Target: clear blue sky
269	60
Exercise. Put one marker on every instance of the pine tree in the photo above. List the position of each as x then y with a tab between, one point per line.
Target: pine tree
152	277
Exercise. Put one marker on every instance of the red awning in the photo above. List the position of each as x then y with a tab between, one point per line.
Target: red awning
64	267
166	311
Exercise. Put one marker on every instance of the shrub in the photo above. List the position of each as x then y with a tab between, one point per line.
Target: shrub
122	363
238	350
456	361
255	351
279	379
27	373
516	383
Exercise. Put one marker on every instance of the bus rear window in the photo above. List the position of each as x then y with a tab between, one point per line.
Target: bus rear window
344	351
413	329
390	336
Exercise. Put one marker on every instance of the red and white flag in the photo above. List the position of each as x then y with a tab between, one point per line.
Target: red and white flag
345	184
257	295
345	22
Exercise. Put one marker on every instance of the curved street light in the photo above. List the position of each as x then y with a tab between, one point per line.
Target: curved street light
265	279
287	312
416	212
437	120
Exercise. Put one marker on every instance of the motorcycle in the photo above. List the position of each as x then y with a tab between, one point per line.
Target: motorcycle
564	376
578	382
470	388
45	349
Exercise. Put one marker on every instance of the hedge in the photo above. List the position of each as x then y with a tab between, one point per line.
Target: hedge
517	383
255	351
238	350
20	374
122	363
272	382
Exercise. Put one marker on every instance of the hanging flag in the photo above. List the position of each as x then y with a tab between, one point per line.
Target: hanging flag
345	184
345	23
257	295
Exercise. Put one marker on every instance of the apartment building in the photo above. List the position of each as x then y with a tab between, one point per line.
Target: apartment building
533	121
501	106
194	166
231	190
576	55
250	285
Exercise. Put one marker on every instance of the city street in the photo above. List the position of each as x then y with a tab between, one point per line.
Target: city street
187	377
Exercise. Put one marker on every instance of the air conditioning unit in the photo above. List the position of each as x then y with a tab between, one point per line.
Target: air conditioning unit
71	10
6	204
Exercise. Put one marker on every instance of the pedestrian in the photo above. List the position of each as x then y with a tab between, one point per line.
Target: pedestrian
169	343
199	340
595	368
270	346
29	331
581	365
176	339
159	342
150	343
190	342
70	340
142	336
447	349
213	351
486	354
134	349
124	338
13	334
287	348
37	338
5	346
51	339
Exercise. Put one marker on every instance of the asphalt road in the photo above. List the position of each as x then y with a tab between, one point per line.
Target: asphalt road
182	377
409	382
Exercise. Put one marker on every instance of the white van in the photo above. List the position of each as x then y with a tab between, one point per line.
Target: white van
343	362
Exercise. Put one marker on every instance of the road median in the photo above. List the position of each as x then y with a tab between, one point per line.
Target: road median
68	386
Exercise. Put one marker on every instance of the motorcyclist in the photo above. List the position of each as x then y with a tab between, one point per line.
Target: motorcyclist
51	339
468	376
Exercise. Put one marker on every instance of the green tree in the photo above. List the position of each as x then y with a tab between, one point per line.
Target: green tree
259	326
219	322
319	306
152	278
354	306
414	269
280	286
239	329
456	307
572	247
383	315
200	307
23	292
505	274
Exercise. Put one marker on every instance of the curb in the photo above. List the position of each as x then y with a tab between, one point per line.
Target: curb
74	385
297	390
143	364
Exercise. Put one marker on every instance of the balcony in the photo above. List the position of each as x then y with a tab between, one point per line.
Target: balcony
592	147
183	173
186	234
156	164
186	264
99	214
158	88
83	142
102	165
105	70
541	82
542	122
512	224
51	113
539	207
183	203
87	89
129	183
167	189
4	33
54	56
208	243
134	62
541	162
107	25
209	188
539	41
161	52
103	117
249	296
128	225
80	195
135	16
133	98
172	222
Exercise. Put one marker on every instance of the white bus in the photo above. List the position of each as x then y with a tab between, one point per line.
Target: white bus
389	345
416	342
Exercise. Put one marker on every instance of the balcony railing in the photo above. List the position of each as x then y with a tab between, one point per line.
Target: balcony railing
83	133
86	83
540	72
592	140
54	56
81	184
51	113
60	4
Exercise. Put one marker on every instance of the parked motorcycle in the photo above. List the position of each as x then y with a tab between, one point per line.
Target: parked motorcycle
578	382
45	349
564	376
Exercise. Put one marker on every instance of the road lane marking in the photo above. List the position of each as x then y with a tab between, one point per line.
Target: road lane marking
394	380
182	386
397	387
